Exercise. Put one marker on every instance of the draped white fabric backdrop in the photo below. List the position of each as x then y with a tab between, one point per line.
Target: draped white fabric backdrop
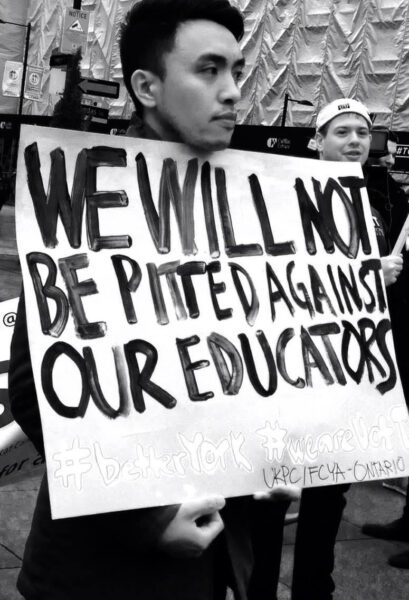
312	49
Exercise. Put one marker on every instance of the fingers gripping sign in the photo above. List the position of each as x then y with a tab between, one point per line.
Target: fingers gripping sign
196	524
280	493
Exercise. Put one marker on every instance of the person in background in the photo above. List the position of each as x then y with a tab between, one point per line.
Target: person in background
182	65
393	206
343	133
387	196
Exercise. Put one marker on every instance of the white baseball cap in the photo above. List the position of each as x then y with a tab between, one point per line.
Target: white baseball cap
339	107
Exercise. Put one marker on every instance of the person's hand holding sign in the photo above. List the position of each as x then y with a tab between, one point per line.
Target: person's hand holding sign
280	493
196	524
391	268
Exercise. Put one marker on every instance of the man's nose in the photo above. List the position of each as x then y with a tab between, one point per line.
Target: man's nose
353	138
230	90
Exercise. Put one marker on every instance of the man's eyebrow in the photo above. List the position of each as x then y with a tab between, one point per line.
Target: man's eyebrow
220	59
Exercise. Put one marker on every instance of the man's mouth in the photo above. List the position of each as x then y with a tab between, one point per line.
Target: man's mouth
227	118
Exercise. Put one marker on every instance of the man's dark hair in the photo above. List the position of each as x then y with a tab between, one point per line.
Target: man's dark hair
149	30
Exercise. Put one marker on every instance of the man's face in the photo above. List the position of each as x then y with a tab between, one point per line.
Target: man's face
388	160
347	140
195	100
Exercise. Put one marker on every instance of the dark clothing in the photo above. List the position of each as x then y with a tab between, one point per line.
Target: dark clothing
116	555
318	523
393	205
267	528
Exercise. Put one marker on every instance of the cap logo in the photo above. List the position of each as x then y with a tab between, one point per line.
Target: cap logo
343	106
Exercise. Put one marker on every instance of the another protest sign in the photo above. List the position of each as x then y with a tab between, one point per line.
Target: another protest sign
202	324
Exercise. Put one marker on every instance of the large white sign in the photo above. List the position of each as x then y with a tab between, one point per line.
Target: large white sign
198	325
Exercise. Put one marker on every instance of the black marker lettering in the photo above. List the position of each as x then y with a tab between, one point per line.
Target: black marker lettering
95	388
52	353
186	271
102	156
231	382
355	184
349	289
251	366
232	249
311	215
217	288
319	292
48	290
68	267
250	308
306	303
309	349
209	212
127	285
189	368
140	381
285	337
382	329
324	331
169	270
279	294
270	246
157	295
169	192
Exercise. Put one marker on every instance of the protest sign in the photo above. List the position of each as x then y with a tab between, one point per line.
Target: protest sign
18	457
199	325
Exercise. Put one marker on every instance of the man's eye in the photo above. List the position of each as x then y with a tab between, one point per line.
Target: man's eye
238	75
209	70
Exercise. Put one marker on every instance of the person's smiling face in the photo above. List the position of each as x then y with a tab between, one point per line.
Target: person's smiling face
347	139
196	97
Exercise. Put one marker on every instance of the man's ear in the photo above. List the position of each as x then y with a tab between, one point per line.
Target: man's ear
319	139
144	87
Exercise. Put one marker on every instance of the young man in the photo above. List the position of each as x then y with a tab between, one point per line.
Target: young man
343	134
181	63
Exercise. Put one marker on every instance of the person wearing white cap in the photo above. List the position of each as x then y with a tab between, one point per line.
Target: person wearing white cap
343	134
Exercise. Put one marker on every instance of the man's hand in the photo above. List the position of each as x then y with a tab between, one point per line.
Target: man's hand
391	267
196	524
280	493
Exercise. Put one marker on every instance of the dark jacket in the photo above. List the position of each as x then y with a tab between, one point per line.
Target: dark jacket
116	555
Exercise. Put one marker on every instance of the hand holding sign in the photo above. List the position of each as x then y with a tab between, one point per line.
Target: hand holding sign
196	524
391	268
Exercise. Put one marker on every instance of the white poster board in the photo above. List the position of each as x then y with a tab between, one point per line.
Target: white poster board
249	347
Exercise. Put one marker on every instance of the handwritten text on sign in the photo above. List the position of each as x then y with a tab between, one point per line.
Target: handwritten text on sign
202	324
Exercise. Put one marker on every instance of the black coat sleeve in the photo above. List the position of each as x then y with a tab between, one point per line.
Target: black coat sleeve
139	529
22	392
